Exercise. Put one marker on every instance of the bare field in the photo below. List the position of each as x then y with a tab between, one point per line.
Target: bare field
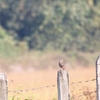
44	78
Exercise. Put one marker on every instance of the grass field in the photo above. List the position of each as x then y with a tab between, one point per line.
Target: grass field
42	78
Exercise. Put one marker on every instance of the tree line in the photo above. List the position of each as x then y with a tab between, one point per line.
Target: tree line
51	24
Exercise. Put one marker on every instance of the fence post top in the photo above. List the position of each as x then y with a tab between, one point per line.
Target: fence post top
98	60
61	70
3	76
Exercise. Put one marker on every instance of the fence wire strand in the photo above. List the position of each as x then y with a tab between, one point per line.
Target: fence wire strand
83	94
83	81
15	91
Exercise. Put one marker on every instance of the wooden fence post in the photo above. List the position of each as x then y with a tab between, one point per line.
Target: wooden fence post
63	85
3	87
98	77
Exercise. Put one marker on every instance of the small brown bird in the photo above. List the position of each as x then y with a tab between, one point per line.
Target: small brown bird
61	64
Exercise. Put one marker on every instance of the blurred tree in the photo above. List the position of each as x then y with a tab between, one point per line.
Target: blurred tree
7	44
96	2
52	24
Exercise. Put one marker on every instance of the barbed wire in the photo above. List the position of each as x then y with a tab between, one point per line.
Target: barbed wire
83	81
84	94
41	87
15	91
78	89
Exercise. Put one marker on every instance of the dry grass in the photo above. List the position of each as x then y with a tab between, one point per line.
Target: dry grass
34	79
84	88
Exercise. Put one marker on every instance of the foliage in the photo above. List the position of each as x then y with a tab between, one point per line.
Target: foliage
7	44
10	47
53	24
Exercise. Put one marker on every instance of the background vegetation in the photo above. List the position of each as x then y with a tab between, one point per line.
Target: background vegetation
49	25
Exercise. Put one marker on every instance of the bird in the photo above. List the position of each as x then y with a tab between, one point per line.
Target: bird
61	64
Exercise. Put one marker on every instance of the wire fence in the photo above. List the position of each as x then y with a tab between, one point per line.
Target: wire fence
63	86
54	85
49	86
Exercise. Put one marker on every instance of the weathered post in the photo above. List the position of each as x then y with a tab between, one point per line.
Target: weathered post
3	87
98	77
63	85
